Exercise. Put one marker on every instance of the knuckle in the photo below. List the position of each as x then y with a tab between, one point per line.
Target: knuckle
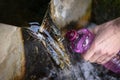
109	54
102	53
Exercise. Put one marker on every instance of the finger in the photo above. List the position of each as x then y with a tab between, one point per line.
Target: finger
88	54
112	56
107	58
95	56
102	58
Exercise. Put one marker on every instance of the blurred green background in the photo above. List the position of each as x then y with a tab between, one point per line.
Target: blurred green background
21	12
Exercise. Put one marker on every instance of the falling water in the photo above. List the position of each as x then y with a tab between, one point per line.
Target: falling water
53	48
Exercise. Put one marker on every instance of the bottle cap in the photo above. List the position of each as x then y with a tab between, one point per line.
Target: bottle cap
71	35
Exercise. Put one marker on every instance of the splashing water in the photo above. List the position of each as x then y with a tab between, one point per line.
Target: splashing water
56	52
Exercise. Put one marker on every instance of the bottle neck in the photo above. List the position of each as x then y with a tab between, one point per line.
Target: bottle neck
80	40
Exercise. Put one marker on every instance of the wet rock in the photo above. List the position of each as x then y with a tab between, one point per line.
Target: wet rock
12	63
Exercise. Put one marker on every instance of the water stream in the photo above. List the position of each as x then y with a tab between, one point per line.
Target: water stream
52	46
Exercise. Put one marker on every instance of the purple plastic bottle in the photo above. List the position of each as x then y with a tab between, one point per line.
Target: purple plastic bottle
80	42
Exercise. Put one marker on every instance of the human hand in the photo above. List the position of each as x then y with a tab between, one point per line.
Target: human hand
106	43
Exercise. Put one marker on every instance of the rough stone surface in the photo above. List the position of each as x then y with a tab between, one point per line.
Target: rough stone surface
12	64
